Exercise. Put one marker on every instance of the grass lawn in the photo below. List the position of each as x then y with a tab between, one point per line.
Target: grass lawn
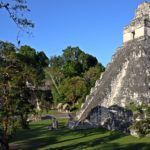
38	137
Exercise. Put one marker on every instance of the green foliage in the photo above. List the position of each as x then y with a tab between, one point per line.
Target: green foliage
71	53
93	74
72	75
74	54
73	89
9	68
141	118
45	99
28	54
142	127
42	59
21	73
72	68
56	61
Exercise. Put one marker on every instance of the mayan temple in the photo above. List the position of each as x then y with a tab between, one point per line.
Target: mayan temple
126	79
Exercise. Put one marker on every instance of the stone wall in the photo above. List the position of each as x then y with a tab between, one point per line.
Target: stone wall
139	26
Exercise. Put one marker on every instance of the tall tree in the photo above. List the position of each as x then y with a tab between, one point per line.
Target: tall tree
21	72
9	68
72	64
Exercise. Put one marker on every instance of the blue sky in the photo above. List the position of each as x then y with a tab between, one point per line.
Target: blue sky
95	26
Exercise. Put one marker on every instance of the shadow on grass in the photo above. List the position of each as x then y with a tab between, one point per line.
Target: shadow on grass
91	143
101	144
39	136
48	141
35	131
64	139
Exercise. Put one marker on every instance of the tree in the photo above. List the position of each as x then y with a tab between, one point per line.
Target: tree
42	59
36	61
72	64
35	64
73	90
21	74
56	61
87	61
75	54
71	53
16	10
72	68
93	74
9	68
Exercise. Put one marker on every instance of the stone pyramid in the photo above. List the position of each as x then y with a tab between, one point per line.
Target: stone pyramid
126	79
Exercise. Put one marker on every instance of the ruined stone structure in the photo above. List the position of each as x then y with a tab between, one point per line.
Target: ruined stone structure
140	25
126	79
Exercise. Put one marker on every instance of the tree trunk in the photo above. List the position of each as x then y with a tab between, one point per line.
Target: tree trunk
4	139
4	142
